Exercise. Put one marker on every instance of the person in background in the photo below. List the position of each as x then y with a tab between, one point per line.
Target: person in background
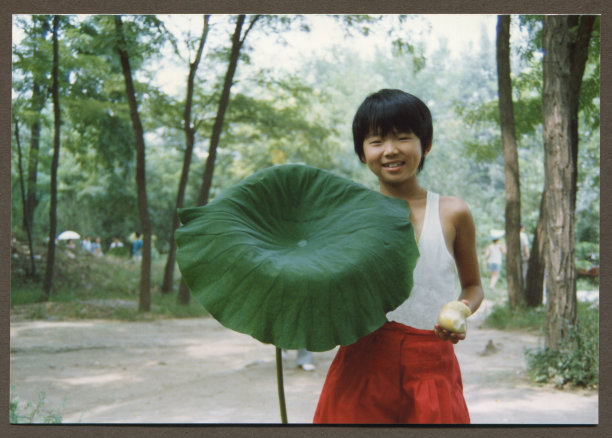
86	244
137	247
96	247
116	243
304	360
493	254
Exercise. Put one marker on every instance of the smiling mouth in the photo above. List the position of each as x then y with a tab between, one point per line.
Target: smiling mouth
393	165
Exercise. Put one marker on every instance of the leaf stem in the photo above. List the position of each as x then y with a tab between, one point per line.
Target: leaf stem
281	389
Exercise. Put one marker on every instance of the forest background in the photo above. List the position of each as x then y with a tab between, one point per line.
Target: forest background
257	97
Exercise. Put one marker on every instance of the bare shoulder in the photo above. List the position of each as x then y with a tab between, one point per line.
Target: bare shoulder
455	209
457	223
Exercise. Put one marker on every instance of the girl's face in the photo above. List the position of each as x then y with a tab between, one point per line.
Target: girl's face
394	158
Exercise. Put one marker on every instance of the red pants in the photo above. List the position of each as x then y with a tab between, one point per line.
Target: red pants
397	374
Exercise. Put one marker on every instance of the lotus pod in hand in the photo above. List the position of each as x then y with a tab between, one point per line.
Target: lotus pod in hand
453	316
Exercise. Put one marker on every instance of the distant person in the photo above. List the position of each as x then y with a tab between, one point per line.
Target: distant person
304	359
70	244
137	247
116	243
86	244
524	251
96	247
493	254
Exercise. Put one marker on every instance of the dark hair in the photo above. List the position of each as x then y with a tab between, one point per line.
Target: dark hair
392	110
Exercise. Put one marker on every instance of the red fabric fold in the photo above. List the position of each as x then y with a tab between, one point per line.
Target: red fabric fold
397	374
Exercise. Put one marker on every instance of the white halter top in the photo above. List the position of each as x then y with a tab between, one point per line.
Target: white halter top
434	277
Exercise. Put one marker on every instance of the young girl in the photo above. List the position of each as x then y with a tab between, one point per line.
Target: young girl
406	371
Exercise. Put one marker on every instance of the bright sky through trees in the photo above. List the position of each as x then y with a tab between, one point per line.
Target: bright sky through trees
458	32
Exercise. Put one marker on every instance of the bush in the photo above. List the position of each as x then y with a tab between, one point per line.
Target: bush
119	251
576	363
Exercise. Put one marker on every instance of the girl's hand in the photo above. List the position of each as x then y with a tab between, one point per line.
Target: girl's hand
452	317
446	335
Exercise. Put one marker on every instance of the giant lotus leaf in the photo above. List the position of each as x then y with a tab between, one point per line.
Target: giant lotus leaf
298	257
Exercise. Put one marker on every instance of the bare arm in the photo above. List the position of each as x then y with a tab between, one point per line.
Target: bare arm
466	260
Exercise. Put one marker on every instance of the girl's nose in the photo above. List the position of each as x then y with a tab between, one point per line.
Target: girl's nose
389	147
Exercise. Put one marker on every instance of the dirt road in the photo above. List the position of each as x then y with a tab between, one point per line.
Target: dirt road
196	371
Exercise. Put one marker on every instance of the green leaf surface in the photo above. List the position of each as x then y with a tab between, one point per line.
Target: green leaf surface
298	257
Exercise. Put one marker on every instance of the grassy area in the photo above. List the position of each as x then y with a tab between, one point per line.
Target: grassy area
502	318
85	286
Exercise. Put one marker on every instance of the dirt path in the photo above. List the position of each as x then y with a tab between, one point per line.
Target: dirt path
196	371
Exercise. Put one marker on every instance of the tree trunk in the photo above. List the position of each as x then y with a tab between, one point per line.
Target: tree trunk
38	103
565	39
189	142
514	275
209	168
47	284
223	103
144	303
582	27
32	271
534	288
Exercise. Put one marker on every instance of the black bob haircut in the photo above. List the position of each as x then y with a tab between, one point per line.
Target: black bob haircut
392	111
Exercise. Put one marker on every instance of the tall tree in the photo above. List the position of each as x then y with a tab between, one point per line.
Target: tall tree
237	42
514	275
565	43
144	303
47	284
535	272
190	129
32	271
34	59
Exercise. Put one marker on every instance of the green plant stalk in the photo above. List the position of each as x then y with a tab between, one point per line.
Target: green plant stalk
281	389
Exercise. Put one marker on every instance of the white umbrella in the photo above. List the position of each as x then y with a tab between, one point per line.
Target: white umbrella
68	235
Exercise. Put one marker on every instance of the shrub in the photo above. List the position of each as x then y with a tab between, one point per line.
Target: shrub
576	363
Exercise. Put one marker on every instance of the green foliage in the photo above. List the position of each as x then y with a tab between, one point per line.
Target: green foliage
288	129
31	412
576	362
122	251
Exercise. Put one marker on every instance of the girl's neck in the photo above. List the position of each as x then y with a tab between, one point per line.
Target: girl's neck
408	190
